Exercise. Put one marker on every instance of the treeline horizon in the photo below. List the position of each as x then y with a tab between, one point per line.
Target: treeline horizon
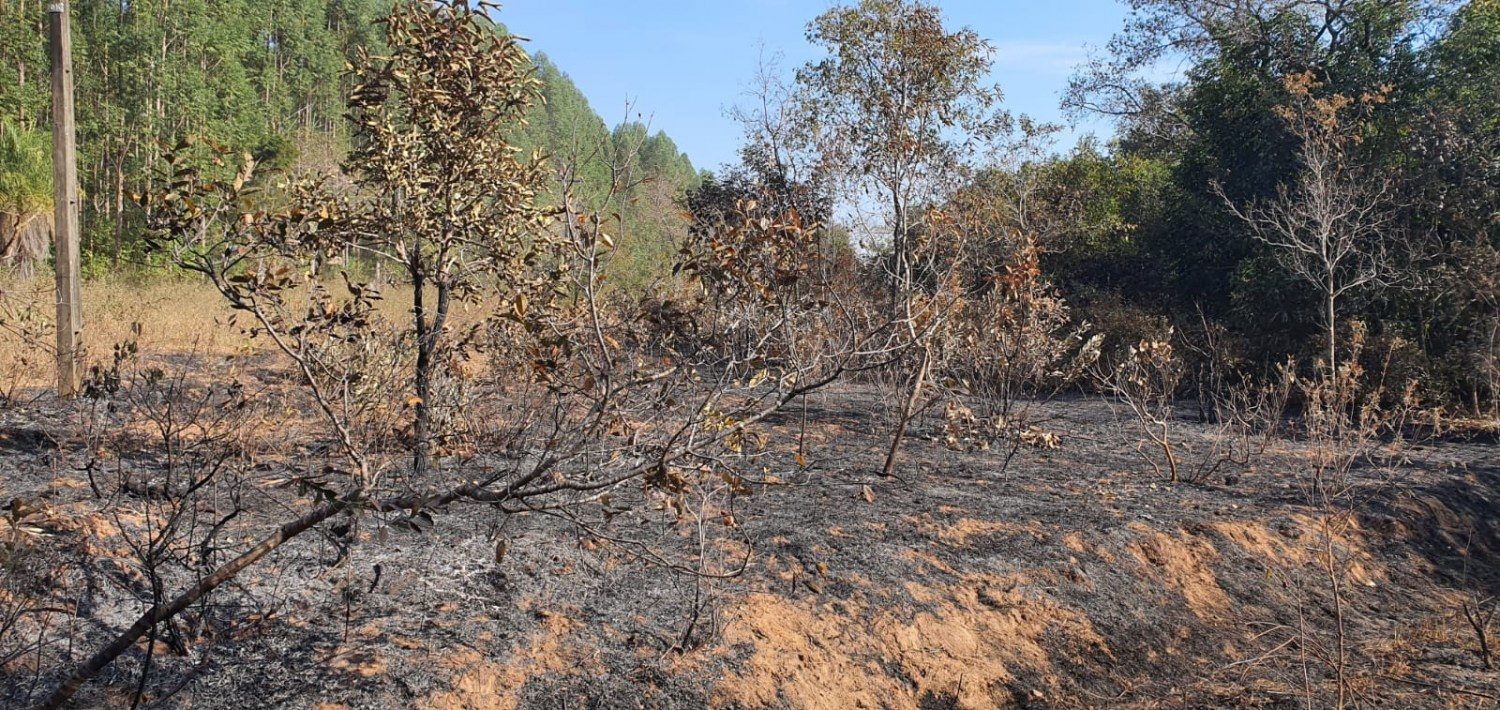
1321	182
263	76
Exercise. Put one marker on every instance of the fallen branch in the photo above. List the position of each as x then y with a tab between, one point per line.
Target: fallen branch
161	612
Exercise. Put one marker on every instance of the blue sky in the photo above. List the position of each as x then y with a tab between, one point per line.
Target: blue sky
683	62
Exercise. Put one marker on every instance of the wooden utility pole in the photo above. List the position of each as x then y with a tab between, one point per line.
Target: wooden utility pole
65	202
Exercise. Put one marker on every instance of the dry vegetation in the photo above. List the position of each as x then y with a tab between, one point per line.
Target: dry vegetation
790	476
159	315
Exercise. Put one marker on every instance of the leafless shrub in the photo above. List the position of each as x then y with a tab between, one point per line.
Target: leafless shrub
1244	418
1350	418
1478	610
1247	417
34	620
170	450
1145	379
1212	363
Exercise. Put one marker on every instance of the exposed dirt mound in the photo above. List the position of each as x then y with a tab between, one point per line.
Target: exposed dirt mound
1185	565
968	642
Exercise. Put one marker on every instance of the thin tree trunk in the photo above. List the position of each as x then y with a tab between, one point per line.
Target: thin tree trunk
906	414
901	279
421	424
422	421
1166	448
1333	362
119	210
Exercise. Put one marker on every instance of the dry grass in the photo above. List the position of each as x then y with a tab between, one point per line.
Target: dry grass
163	316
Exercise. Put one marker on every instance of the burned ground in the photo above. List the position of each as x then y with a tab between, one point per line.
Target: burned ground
1072	578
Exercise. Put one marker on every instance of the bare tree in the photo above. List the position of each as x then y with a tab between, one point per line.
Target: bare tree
777	156
1330	229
